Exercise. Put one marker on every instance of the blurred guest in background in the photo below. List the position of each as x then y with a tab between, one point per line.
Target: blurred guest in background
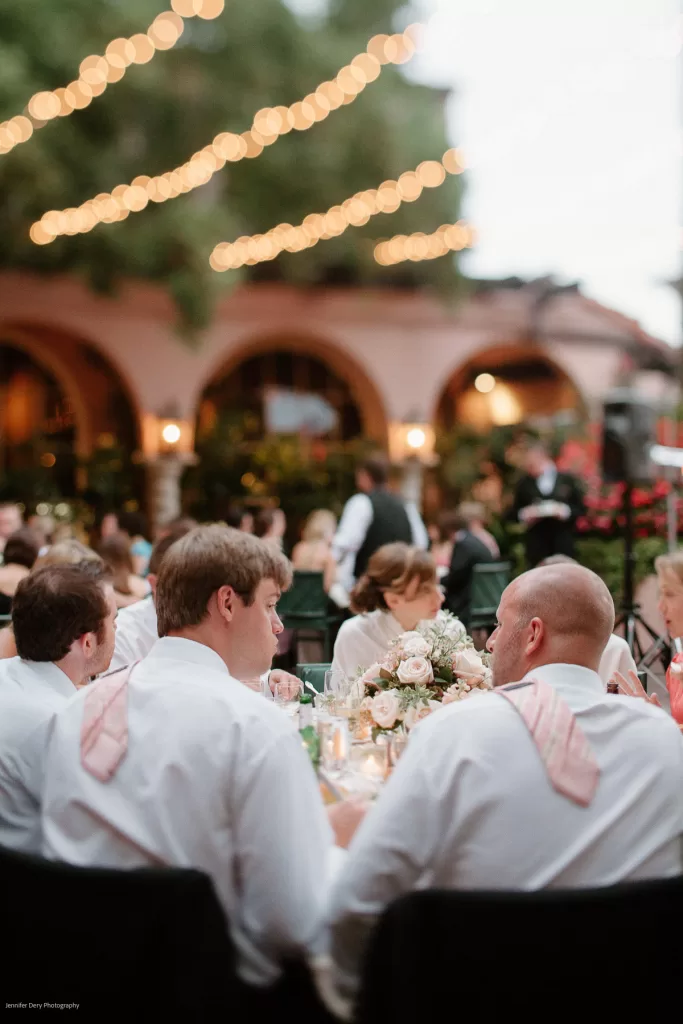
108	525
441	541
398	590
136	624
240	518
128	586
469	550
313	553
548	503
44	526
670	579
64	630
372	518
178	523
11	520
271	524
21	552
134	526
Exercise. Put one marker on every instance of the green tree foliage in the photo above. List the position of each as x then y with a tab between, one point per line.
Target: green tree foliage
219	74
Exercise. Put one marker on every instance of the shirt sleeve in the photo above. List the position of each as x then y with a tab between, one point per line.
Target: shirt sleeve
418	528
389	853
283	843
353	527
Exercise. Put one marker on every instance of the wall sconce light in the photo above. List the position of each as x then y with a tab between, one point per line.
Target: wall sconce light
170	433
412	441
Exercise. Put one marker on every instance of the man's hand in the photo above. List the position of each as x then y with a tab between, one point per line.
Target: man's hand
632	687
288	685
345	817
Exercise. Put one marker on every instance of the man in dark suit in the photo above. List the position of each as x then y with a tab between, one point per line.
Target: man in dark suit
468	550
548	503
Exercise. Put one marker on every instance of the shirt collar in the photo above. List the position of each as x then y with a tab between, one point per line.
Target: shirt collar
47	674
569	678
178	648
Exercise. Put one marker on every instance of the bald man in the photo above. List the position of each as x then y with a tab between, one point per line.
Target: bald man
473	805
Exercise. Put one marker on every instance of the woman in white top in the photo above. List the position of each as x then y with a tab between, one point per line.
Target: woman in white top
398	590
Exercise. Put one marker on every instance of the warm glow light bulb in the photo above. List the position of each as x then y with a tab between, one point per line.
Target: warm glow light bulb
485	383
171	433
415	438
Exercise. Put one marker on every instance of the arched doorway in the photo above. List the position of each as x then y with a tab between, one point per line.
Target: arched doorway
282	421
67	426
506	386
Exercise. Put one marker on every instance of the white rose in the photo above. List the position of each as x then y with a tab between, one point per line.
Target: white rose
468	663
415	671
415	714
385	709
370	674
416	647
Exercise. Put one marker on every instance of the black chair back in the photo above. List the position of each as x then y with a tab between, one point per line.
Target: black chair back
149	938
534	957
489	580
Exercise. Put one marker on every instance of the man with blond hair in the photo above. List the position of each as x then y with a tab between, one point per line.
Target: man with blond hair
546	782
177	763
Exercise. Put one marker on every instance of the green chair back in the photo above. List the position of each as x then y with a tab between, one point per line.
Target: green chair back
5	620
305	602
312	675
489	580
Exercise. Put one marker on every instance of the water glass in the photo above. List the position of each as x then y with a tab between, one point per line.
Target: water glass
286	695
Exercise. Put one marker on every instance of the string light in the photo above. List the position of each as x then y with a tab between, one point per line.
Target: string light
268	125
97	72
355	211
417	247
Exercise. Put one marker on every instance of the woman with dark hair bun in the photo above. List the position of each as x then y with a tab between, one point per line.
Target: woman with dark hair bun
398	590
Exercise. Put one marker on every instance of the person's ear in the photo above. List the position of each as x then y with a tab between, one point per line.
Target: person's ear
226	600
535	635
392	600
152	580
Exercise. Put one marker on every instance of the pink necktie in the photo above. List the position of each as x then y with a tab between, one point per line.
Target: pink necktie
568	759
104	731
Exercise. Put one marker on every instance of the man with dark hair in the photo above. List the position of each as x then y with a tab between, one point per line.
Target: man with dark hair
240	518
372	518
63	621
178	763
548	503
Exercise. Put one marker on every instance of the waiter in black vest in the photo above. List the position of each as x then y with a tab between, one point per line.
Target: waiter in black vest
372	518
548	503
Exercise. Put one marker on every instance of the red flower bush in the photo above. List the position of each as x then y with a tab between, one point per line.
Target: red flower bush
604	501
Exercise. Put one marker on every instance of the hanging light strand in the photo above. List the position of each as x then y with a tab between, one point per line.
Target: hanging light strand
419	246
353	212
97	72
268	125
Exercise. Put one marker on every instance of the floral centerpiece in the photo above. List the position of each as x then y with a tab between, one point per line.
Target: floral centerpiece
434	664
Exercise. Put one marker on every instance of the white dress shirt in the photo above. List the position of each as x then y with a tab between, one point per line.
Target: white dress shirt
353	527
363	640
136	633
616	657
470	806
213	778
30	694
547	480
